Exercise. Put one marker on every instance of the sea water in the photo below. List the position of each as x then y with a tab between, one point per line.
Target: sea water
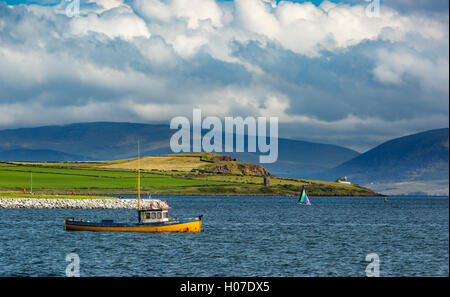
243	236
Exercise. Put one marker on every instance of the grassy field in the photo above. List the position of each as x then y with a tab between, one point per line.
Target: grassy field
161	163
185	162
119	177
64	180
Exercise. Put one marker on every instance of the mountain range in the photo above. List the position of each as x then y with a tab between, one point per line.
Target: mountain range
112	141
38	155
410	164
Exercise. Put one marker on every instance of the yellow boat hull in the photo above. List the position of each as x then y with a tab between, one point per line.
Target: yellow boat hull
177	226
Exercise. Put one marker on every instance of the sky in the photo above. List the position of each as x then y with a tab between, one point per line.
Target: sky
331	71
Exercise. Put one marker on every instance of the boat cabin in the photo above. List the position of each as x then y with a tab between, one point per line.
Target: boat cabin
153	215
153	211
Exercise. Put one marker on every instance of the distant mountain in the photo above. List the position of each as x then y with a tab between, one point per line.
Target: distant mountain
39	156
413	159
100	140
110	141
302	159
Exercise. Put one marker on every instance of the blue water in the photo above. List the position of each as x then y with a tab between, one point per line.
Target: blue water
244	236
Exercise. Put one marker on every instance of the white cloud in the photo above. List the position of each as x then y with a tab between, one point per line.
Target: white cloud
186	25
192	11
155	59
393	66
108	4
188	45
256	16
156	111
307	29
117	22
196	11
157	51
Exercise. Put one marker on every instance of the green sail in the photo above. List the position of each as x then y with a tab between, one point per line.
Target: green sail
303	197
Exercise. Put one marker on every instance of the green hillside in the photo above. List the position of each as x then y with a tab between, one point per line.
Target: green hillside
200	177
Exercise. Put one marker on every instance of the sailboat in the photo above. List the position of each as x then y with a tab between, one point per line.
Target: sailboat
303	199
152	217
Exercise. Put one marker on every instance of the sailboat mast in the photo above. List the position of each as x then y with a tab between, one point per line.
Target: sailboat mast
139	178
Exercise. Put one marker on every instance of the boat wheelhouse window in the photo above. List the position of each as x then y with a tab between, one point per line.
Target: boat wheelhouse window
153	215
147	215
159	215
166	215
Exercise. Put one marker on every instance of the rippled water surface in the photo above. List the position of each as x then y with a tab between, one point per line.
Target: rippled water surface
243	236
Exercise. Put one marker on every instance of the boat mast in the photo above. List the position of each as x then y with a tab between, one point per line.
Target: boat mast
139	179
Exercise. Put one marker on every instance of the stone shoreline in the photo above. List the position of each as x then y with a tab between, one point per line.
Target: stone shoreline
68	203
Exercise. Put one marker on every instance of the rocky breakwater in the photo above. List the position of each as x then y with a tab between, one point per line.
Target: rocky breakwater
68	203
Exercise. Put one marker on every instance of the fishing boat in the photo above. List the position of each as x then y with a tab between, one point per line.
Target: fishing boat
152	214
152	218
303	199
